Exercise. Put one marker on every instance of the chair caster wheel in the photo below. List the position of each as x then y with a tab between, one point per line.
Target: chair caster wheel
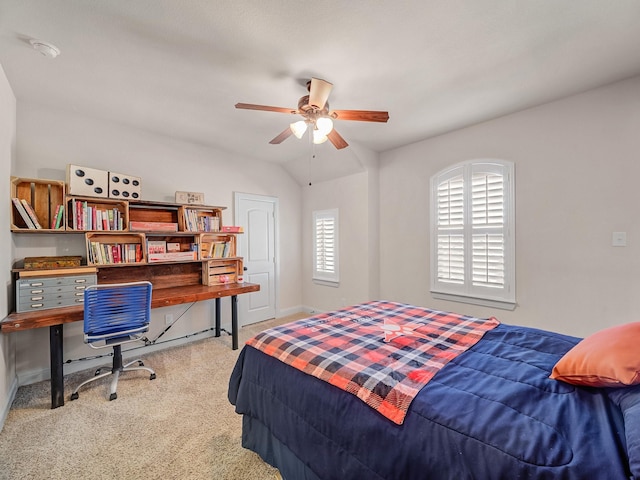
141	364
74	396
152	376
97	372
113	396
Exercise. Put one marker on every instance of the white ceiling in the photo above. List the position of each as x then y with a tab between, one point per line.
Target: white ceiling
177	67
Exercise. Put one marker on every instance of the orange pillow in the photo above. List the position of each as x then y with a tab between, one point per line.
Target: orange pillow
609	358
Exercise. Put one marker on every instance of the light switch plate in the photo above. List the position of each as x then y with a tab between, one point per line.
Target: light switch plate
619	239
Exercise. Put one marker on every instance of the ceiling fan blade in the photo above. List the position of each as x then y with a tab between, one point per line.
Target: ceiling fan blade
337	140
286	133
319	92
266	108
360	115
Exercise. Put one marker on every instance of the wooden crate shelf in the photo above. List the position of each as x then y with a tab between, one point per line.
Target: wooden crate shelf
153	216
196	218
96	214
217	245
220	271
44	196
115	248
171	248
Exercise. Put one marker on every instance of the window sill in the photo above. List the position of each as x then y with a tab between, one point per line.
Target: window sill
326	283
485	302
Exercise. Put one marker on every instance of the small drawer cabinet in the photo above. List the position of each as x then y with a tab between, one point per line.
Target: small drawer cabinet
40	293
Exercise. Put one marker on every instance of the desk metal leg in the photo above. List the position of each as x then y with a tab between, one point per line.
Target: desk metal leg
57	375
234	322
217	313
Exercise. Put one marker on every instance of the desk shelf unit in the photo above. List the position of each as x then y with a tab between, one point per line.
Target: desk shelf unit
118	234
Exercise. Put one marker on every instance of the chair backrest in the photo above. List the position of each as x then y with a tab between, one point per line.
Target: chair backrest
113	309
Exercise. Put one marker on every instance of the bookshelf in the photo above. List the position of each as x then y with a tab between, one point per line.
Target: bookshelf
115	248
134	239
44	197
217	245
197	218
93	214
222	271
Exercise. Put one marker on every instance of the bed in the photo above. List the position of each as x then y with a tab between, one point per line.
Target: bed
485	406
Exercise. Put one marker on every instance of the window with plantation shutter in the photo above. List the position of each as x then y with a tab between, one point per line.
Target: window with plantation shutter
325	246
472	253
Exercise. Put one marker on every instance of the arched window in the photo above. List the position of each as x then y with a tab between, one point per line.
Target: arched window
472	233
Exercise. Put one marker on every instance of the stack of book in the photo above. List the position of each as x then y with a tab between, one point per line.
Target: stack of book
26	212
111	253
153	226
161	251
200	223
216	249
88	217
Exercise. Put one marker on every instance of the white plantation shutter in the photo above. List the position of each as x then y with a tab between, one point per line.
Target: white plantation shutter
450	243
487	221
472	254
325	245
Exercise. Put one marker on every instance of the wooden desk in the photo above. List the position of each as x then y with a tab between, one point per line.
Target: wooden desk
161	297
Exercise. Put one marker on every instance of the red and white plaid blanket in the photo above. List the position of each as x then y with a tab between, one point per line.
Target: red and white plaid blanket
382	352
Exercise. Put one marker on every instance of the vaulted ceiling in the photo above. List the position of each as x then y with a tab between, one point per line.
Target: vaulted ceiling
178	67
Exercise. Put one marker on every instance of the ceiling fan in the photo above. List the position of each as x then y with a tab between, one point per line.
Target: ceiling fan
314	109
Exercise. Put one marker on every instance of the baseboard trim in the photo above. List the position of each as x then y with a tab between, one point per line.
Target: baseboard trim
290	311
34	376
10	398
312	310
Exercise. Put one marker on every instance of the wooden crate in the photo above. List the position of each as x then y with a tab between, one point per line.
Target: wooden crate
210	243
82	213
44	196
184	248
112	248
217	272
160	216
195	218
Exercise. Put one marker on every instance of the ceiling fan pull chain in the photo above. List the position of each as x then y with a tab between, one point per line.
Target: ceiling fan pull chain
313	153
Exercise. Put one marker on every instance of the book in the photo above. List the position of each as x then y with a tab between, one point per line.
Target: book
54	218
60	217
173	247
172	257
232	229
27	206
23	213
156	246
218	249
153	226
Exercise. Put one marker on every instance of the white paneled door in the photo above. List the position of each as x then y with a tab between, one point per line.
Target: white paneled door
257	214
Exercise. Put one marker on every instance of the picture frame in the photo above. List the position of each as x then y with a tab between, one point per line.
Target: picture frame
190	198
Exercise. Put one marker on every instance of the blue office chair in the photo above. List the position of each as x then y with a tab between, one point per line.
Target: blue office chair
115	314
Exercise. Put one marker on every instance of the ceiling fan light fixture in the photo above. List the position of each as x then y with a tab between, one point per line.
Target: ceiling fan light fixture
324	125
298	128
318	137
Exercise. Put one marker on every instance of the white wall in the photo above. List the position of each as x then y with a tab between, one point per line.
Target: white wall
8	383
577	172
351	196
49	140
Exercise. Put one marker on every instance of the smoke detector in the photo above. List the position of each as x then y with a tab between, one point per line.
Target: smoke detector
45	48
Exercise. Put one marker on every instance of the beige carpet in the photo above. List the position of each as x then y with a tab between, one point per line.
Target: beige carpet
178	426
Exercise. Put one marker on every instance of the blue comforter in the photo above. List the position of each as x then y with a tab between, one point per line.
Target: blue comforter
492	413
